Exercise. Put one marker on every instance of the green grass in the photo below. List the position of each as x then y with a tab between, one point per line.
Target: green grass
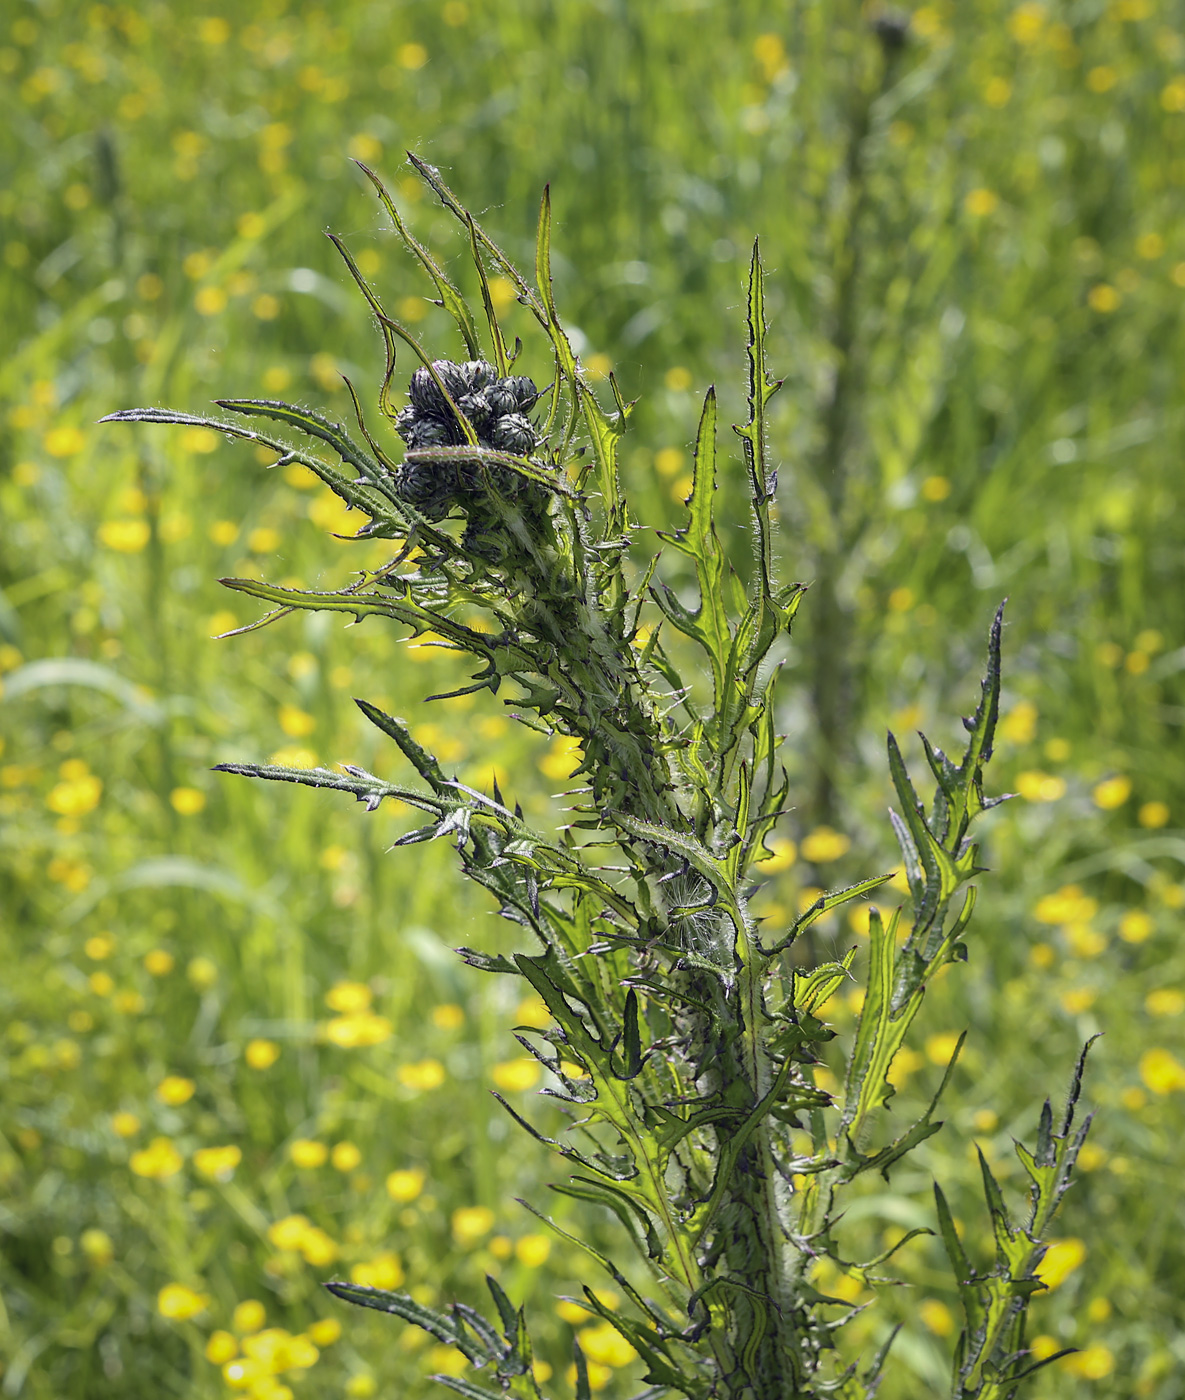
997	268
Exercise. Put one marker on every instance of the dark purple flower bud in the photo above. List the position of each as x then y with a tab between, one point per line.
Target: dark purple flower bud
477	410
476	374
524	391
513	433
501	398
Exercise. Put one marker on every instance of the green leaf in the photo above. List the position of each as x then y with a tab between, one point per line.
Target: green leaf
708	624
968	1292
317	426
879	1034
444	1329
450	298
623	1204
823	905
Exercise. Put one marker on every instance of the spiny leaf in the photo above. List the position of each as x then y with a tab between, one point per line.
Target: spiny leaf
450	298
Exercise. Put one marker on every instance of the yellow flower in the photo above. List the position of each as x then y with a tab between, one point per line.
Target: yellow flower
422	1075
532	1011
824	844
598	1376
533	1250
217	1163
1020	723
1153	815
288	1233
1084	941
101	983
448	1017
935	489
64	442
347	997
76	798
516	1076
1026	23
1165	1001
1078	1000
383	1271
785	853
1044	1345
1061	1259
1092	1364
985	1120
1035	786
1066	906
99	946
159	1160
1161	1071
240	1374
295	722
221	1348
325	1331
405	1185
472	1223
250	1314
1172	97
981	202
202	440
179	1303
939	1048
937	1317
362	1386
202	972
174	1090
125	536
1103	298
345	1156
1112	793
261	1054
318	1249
604	1345
411	56
562	759
363	1028
307	1153
187	801
97	1246
1102	78
159	962
126	1125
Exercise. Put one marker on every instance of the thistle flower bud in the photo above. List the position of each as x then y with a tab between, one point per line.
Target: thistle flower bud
496	411
513	433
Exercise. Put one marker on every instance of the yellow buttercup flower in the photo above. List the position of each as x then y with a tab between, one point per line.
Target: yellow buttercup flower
174	1090
249	1315
261	1054
1061	1259
158	1161
383	1271
405	1185
348	997
179	1303
516	1076
217	1163
472	1223
307	1153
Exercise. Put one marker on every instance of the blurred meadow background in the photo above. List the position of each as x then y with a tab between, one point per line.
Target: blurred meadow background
237	1053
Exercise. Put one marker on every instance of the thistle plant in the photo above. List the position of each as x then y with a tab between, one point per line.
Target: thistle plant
684	1038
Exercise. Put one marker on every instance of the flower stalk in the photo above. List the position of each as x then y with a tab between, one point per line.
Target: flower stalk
697	1043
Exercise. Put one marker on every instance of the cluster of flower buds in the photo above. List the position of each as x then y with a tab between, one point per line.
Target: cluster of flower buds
497	411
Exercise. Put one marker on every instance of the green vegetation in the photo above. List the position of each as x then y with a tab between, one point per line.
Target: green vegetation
239	1055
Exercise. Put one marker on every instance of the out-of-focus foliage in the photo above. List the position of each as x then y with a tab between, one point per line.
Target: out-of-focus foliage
976	267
